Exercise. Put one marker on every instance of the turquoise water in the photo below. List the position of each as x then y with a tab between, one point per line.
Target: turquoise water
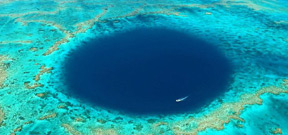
37	38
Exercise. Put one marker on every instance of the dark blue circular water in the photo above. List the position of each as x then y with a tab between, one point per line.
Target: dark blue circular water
144	71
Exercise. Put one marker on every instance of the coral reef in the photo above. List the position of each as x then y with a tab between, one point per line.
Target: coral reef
38	36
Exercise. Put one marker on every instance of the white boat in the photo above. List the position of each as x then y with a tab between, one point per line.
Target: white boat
181	99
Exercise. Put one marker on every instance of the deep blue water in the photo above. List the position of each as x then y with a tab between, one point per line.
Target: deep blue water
144	71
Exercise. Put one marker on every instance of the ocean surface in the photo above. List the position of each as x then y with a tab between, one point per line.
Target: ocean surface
117	67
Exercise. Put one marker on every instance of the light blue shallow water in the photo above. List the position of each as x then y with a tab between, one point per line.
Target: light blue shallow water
37	36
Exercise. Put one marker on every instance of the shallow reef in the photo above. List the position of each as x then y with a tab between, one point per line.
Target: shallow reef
37	37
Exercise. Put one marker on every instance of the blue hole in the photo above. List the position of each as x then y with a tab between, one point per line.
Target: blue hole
144	71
